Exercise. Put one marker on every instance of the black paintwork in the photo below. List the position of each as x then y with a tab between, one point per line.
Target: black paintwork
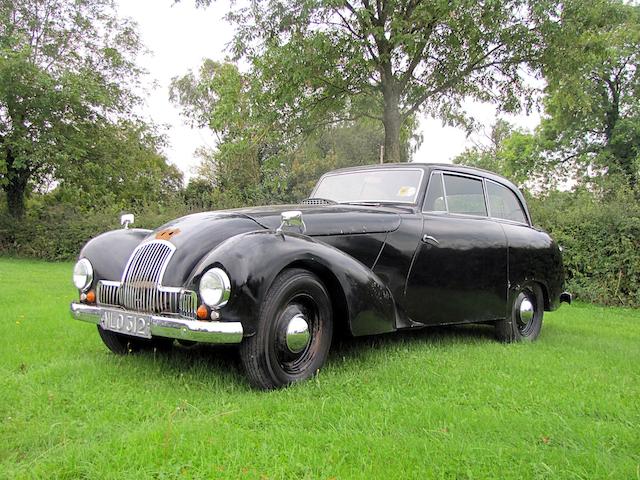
380	273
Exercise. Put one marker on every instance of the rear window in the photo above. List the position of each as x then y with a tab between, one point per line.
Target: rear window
465	195
503	203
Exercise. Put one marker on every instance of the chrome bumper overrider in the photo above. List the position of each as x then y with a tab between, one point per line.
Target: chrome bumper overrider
197	331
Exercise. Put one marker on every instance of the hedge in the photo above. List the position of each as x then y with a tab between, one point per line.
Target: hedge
601	239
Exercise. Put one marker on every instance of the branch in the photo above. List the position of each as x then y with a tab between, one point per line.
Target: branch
474	66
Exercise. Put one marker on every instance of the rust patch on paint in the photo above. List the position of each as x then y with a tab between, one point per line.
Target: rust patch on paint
167	234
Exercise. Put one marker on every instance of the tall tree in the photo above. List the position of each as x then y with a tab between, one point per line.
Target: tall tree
65	67
593	92
388	59
511	152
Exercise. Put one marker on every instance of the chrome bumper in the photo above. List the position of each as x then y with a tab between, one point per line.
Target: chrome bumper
196	331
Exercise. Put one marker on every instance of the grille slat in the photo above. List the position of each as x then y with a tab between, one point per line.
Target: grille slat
141	288
144	274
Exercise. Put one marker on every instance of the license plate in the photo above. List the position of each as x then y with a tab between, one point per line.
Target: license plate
128	323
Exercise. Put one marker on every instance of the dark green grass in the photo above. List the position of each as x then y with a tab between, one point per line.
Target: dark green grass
444	403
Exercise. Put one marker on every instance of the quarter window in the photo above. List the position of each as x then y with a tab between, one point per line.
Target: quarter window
434	201
503	203
465	195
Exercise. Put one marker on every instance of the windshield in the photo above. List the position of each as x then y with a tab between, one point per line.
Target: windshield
376	186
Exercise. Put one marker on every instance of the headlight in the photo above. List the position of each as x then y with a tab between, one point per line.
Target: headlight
215	287
83	274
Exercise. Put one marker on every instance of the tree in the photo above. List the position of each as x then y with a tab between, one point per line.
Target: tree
66	67
511	152
255	159
121	166
388	59
593	91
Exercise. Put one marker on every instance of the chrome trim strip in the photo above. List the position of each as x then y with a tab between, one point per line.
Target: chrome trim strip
194	330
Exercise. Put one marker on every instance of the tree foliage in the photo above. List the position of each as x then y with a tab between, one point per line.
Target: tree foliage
66	69
593	94
256	159
389	59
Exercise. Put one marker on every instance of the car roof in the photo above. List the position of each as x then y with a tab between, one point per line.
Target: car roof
450	167
446	167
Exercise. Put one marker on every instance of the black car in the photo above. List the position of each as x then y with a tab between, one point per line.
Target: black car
374	249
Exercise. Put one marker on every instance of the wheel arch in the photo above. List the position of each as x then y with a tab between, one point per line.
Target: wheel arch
253	261
338	299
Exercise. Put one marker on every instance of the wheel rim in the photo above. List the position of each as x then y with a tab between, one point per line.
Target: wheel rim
297	334
525	312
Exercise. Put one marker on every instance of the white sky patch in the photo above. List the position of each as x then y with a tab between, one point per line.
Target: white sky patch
180	36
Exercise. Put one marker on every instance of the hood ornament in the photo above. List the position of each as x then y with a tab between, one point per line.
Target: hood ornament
292	219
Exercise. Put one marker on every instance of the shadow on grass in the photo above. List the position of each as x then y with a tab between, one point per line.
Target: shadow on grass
446	336
221	363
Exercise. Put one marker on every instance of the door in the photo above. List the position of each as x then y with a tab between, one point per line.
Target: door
459	272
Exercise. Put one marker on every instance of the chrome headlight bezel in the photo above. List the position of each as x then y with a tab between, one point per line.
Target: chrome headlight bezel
215	287
83	274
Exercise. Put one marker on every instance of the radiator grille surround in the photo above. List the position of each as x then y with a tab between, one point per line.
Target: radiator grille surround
141	287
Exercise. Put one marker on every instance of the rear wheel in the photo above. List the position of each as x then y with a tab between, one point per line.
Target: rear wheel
293	334
124	344
525	320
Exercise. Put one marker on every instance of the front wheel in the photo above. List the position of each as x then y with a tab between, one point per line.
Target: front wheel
124	344
525	320
293	334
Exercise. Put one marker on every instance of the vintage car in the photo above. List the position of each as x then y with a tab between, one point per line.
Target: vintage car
375	249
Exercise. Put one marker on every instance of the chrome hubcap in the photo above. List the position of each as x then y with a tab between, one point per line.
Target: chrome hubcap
297	335
526	311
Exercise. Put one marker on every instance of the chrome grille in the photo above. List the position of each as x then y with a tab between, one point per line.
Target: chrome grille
141	288
188	304
108	293
141	280
173	300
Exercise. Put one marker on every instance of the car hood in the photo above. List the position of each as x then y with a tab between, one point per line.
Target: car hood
323	220
196	235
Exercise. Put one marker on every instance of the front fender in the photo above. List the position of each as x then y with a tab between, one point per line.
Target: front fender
109	252
254	259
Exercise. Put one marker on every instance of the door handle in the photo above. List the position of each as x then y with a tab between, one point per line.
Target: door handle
429	239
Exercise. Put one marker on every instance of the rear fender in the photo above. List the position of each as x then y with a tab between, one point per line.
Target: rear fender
254	259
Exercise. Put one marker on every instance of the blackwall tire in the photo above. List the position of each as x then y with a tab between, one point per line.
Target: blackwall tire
281	352
525	320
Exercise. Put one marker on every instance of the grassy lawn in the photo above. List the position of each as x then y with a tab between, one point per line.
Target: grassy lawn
444	403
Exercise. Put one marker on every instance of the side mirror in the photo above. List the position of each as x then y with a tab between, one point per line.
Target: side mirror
126	219
294	219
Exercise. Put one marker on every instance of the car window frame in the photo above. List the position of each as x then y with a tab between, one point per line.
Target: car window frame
446	202
525	213
485	191
414	203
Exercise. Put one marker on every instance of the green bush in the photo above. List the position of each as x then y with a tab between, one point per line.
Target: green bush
601	242
601	239
58	232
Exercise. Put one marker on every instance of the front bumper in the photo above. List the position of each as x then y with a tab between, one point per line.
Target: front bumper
193	330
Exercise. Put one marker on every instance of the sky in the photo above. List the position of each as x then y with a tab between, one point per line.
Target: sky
179	36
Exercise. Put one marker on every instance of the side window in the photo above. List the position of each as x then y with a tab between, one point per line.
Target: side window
434	201
465	195
503	203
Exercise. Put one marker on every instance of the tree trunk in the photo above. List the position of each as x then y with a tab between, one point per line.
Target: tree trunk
392	123
16	186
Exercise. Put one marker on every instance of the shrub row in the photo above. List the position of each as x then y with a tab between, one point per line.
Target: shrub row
601	239
601	243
